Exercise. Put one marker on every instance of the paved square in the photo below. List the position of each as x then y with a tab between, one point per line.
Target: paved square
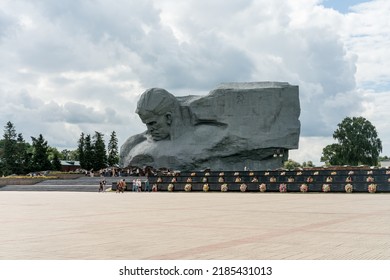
293	226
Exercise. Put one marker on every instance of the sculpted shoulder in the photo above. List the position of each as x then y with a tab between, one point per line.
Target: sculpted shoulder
132	142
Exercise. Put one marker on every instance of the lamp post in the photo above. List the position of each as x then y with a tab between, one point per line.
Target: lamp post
278	153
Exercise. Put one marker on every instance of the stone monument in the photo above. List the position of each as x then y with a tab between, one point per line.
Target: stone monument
236	125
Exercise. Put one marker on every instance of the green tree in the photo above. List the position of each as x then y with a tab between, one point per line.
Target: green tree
40	158
15	153
358	143
291	164
56	162
332	155
99	151
1	155
52	152
70	154
8	156
74	155
23	156
81	150
113	154
307	164
64	155
54	157
88	153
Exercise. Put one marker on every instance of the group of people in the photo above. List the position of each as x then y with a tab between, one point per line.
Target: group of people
121	185
137	186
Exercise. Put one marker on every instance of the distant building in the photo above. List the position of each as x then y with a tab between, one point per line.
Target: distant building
69	165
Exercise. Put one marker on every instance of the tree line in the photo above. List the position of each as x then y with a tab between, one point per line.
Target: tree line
20	157
357	144
92	152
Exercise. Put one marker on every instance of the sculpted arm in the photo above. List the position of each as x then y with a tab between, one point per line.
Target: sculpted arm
131	142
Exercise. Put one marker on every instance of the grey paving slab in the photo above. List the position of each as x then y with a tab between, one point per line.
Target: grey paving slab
293	226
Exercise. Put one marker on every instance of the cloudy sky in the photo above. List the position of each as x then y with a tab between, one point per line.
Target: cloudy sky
68	67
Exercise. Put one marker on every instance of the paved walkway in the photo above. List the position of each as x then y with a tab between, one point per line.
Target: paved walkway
82	184
294	226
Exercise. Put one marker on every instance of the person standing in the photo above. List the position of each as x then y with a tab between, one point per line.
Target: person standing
101	187
147	186
139	185
134	189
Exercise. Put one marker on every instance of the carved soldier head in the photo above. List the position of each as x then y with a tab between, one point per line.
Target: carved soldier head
156	108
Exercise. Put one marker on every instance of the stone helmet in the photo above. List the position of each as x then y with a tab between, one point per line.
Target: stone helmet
156	101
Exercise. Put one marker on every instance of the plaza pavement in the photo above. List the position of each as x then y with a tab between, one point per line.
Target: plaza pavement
274	226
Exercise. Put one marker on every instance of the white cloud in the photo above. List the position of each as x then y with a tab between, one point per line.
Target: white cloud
367	35
310	149
70	67
376	110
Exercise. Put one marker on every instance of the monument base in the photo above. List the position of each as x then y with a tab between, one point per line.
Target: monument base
345	180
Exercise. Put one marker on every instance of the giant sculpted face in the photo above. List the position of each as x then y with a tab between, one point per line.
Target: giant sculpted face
158	126
235	125
155	109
